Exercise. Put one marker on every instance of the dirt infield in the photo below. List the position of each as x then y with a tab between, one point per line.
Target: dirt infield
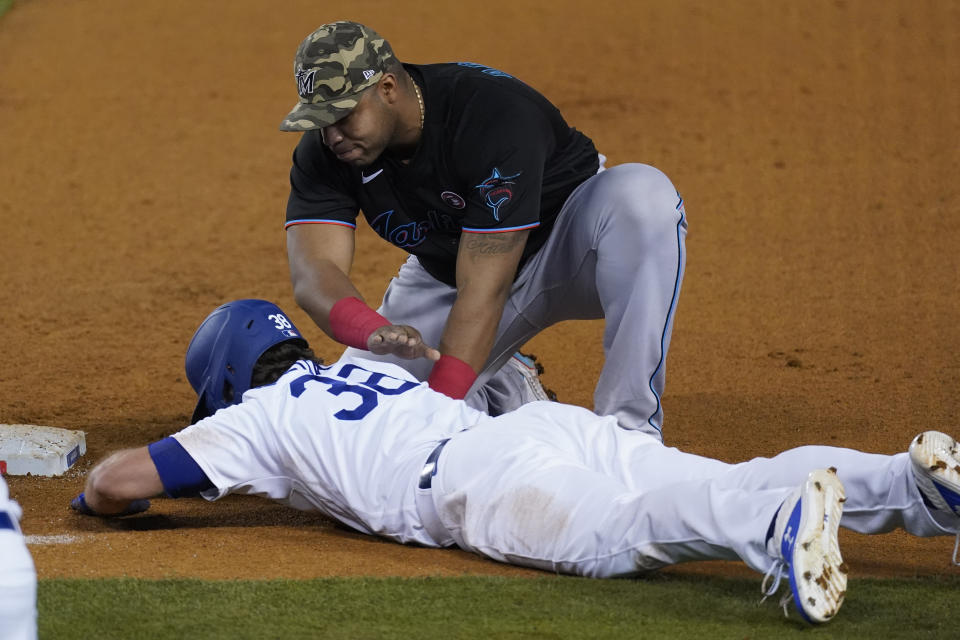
144	182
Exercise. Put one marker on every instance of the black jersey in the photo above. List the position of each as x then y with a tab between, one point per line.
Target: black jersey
494	156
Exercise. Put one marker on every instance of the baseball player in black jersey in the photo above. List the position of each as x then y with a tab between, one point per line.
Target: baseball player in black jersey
512	222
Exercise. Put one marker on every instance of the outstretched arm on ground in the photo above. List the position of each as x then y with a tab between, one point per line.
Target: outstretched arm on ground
116	484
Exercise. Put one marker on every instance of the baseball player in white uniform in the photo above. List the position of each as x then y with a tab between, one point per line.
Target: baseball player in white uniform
18	579
550	486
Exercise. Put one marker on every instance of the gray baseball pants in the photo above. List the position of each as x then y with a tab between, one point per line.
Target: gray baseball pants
617	251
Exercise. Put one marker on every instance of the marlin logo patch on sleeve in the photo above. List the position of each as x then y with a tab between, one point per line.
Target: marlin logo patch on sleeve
496	191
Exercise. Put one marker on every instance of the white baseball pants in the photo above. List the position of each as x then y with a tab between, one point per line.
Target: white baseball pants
558	488
18	578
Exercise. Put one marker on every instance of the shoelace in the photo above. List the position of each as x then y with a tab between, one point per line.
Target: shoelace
956	547
769	587
766	587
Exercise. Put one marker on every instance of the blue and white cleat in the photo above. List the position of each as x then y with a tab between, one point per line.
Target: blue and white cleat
806	547
936	468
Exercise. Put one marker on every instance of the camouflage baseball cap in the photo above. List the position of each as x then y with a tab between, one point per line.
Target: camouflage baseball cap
333	66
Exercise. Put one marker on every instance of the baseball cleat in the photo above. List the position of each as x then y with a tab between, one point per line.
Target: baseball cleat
936	469
530	369
806	546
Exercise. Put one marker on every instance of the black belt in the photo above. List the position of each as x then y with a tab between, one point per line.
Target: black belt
6	522
430	468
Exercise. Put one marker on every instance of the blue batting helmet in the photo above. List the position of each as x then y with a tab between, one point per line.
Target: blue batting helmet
227	345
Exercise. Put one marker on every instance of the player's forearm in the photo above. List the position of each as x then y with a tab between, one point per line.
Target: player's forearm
320	256
472	327
466	342
486	266
121	479
318	288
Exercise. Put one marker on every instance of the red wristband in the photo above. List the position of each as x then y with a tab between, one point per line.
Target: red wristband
352	322
452	377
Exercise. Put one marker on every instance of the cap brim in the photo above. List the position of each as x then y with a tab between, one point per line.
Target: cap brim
309	115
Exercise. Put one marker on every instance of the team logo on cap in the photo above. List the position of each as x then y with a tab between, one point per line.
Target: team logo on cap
305	82
497	191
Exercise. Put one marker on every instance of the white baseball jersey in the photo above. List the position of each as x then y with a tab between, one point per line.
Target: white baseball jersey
348	440
550	486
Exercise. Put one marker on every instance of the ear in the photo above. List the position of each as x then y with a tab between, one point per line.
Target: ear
389	88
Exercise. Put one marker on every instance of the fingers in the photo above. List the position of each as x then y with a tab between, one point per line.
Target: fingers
136	506
401	340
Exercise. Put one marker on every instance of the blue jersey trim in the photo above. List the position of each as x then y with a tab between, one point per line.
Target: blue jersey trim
180	474
501	229
320	221
666	322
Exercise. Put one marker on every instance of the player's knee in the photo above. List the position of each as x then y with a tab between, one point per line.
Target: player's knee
645	199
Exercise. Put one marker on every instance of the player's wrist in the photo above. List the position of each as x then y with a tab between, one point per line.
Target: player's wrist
352	322
451	377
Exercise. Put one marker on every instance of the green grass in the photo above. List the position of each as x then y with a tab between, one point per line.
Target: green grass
661	607
5	6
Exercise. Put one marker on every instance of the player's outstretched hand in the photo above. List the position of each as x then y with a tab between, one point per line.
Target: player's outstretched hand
80	504
400	340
